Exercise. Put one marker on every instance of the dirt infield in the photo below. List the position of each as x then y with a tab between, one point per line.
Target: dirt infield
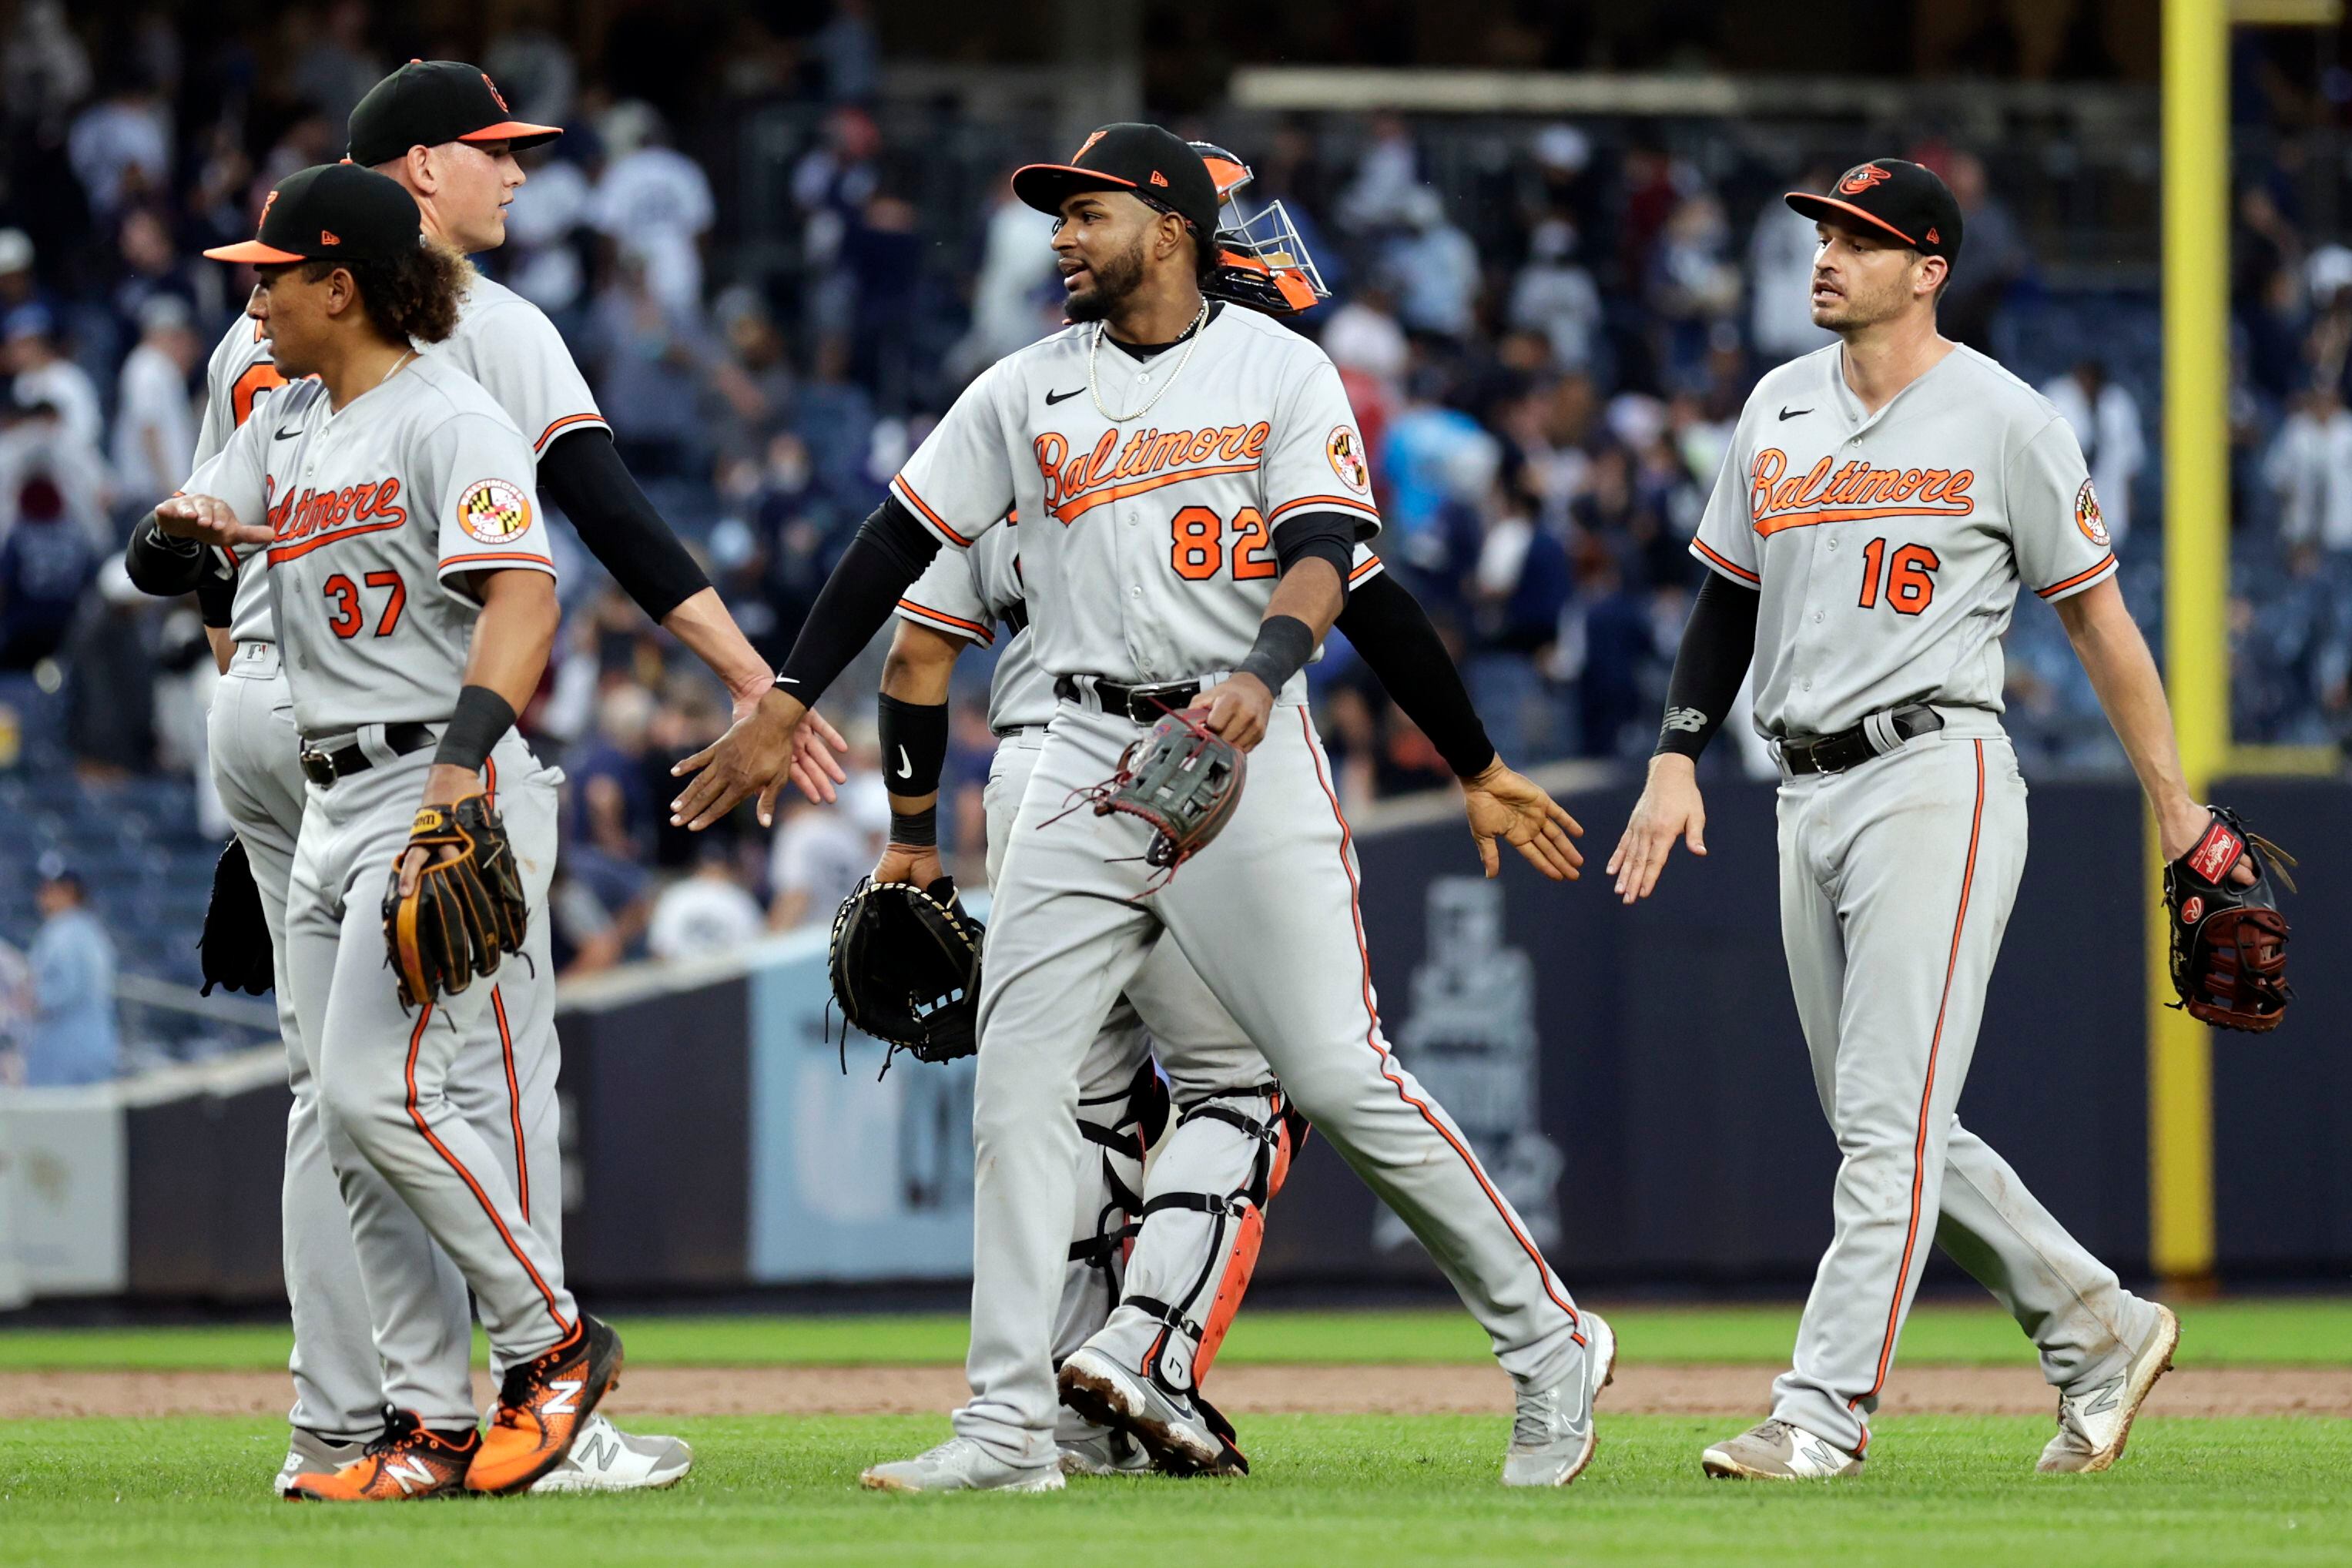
1671	1390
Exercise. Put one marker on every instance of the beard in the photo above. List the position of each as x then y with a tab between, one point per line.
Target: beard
1116	280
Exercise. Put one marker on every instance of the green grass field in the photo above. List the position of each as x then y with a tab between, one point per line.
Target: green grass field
1358	1491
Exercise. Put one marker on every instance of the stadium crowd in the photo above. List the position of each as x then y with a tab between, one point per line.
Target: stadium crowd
1546	352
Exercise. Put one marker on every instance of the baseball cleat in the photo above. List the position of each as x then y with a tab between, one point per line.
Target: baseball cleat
604	1458
1104	1453
1553	1435
313	1453
2093	1426
1177	1436
961	1465
543	1405
1777	1451
408	1464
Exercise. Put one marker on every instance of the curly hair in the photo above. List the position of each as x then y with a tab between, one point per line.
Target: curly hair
413	295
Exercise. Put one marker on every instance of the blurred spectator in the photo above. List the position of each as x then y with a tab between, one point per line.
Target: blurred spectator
2309	469
1434	269
1781	276
821	852
121	147
541	261
41	374
533	67
2105	417
1993	255
754	378
18	284
849	53
1521	586
44	68
1387	189
704	913
154	429
36	445
1556	295
45	563
1694	287
110	680
1015	296
654	204
614	806
73	1037
650	356
338	68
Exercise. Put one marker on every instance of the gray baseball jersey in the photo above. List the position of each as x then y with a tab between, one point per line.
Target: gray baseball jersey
1888	550
381	510
1889	546
968	592
502	340
1148	544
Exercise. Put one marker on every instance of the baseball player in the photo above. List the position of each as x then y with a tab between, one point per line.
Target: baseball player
1191	486
1882	501
415	608
1194	1229
441	128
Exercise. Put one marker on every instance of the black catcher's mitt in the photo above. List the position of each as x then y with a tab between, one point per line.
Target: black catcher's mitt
2229	943
468	911
1183	778
905	962
234	948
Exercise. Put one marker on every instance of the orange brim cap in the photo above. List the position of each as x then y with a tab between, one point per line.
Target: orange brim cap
253	251
1811	206
521	130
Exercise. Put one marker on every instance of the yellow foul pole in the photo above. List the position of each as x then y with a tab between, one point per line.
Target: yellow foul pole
2196	589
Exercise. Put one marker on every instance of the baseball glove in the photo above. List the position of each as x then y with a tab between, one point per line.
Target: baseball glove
1183	778
468	911
234	949
2229	943
905	962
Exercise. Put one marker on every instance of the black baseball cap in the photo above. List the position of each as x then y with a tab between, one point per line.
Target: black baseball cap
1901	198
332	211
1157	166
428	102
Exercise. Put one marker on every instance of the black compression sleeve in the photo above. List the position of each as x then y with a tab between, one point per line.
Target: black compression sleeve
1319	535
475	725
889	552
1388	627
584	474
914	737
1716	645
161	564
217	598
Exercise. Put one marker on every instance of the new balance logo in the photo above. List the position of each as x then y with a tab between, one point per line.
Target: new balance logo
596	1451
1820	1453
566	1396
1689	721
411	1473
2106	1399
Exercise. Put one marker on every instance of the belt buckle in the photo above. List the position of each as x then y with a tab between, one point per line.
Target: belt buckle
1143	704
318	766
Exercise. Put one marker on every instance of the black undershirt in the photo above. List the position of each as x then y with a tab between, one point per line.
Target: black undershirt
1717	645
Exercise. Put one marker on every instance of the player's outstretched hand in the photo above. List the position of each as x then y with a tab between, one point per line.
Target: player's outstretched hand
1239	710
209	520
816	763
756	756
918	864
1502	804
1669	809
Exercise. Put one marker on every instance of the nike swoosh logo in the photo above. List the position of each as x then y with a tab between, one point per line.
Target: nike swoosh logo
1054	397
286	435
1788	413
905	768
786	680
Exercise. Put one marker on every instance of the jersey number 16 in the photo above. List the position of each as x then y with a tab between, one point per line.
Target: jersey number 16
1907	575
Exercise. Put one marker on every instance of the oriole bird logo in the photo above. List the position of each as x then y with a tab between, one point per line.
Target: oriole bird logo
1862	179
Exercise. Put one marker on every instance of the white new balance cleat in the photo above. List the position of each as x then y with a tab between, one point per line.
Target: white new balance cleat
311	1453
1775	1451
1170	1427
961	1465
2093	1426
1553	1435
604	1458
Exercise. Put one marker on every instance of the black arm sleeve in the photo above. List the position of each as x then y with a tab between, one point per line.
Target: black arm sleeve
1319	535
1393	632
583	474
889	553
1716	645
161	564
216	597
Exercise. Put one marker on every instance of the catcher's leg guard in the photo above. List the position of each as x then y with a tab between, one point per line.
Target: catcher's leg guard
1204	1221
1117	1129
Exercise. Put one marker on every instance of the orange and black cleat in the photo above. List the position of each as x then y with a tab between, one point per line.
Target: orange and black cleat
542	1405
408	1464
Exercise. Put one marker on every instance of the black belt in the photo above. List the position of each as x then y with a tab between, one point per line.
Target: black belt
1143	704
1017	617
1851	748
323	768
